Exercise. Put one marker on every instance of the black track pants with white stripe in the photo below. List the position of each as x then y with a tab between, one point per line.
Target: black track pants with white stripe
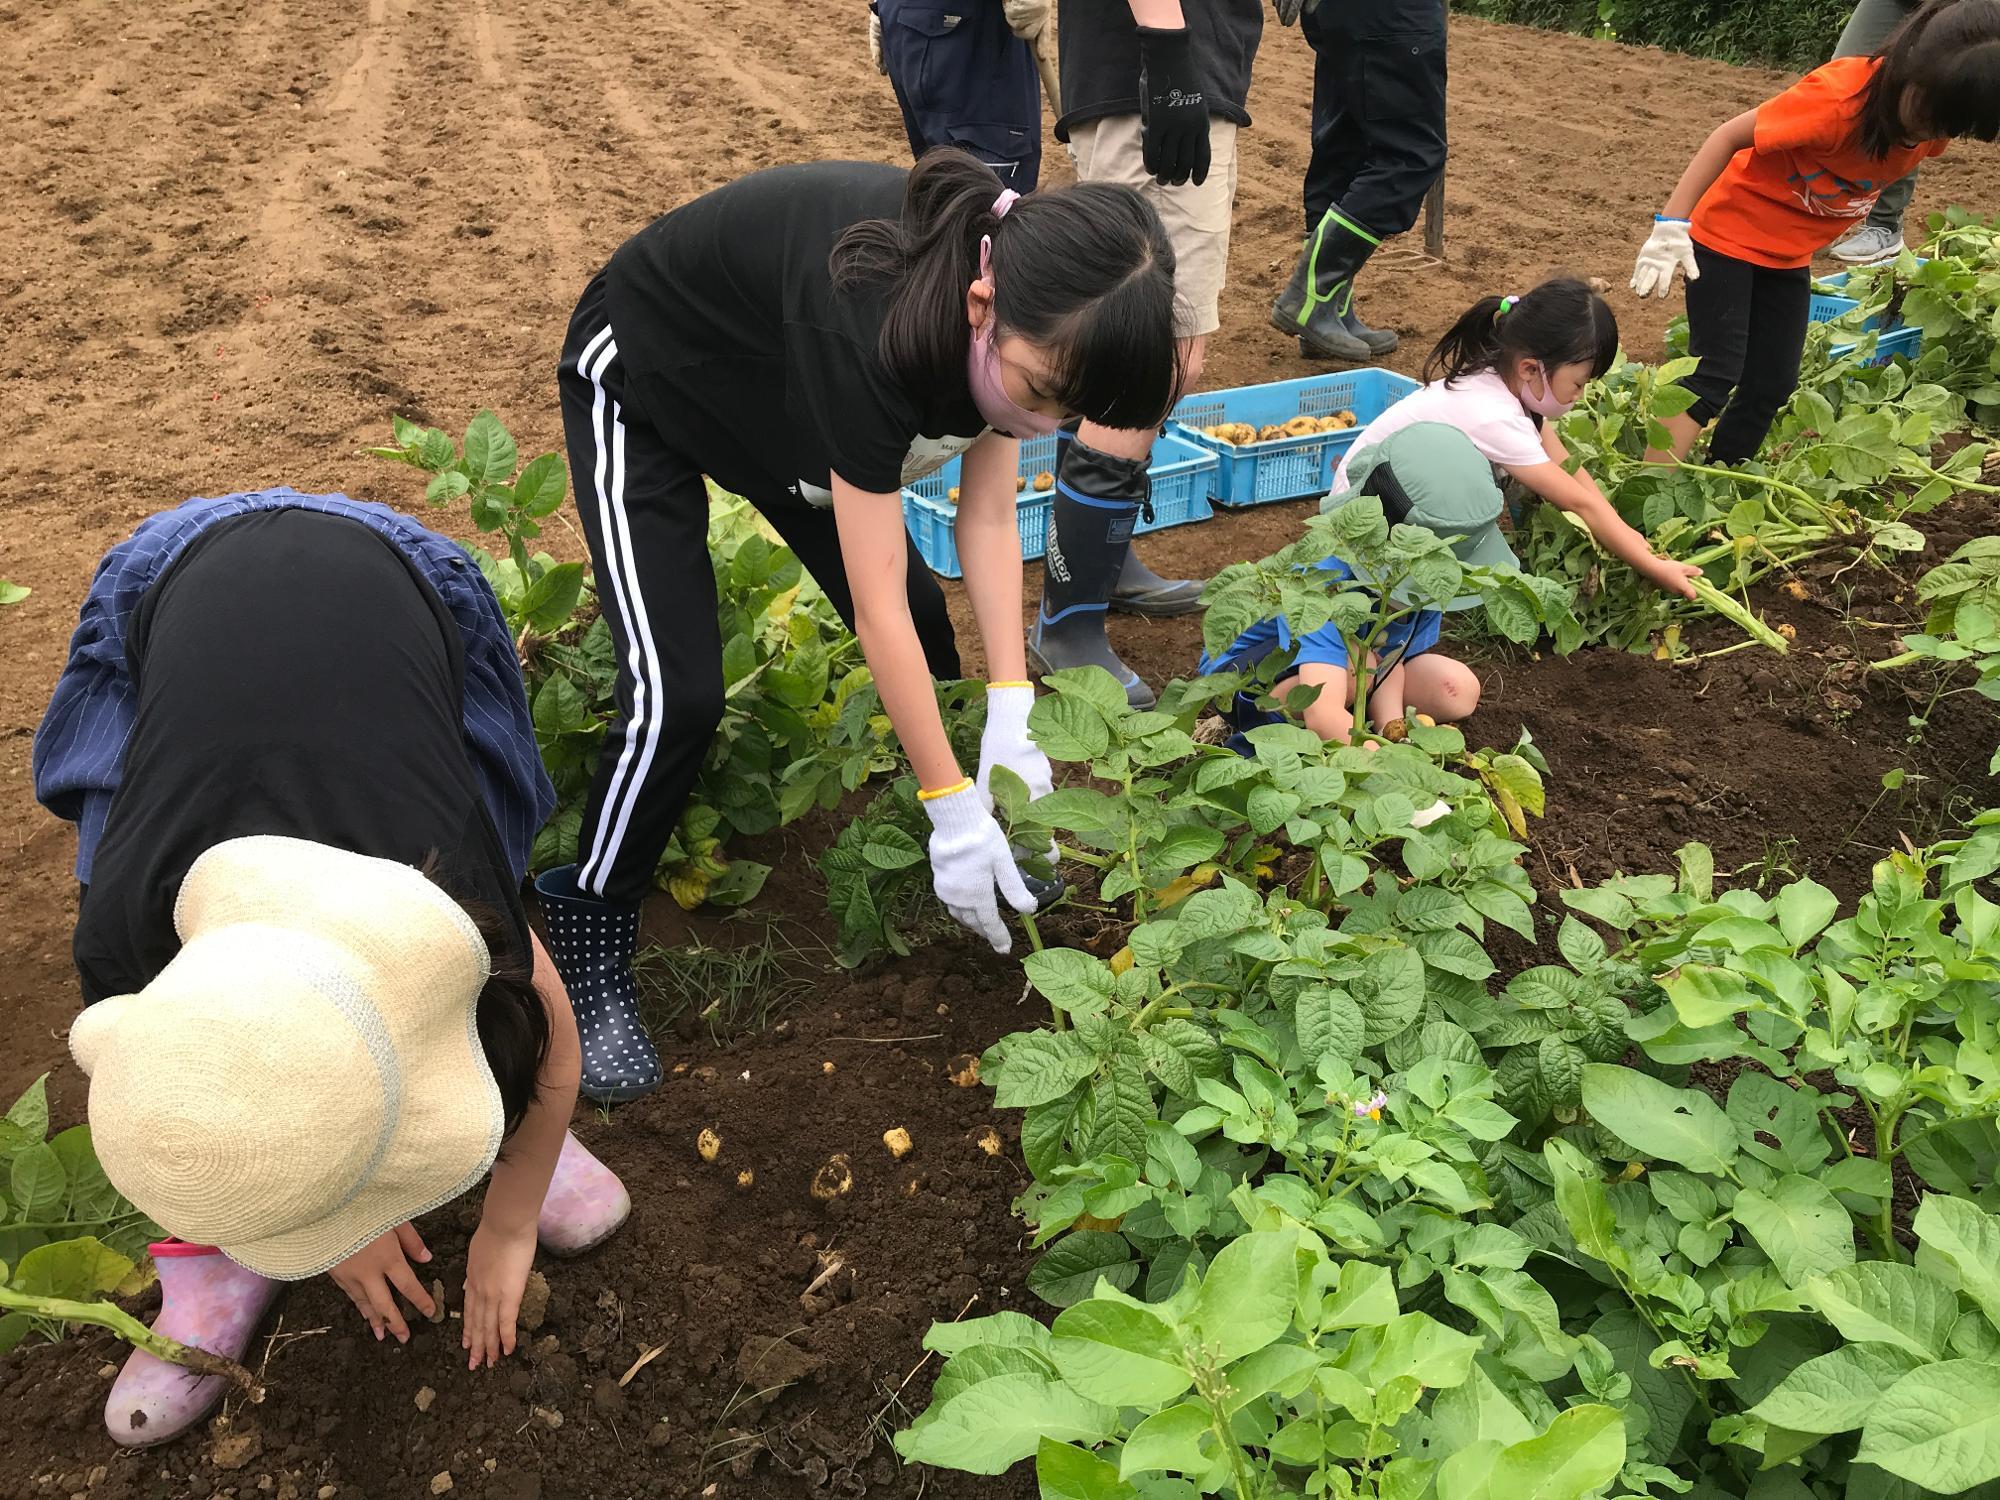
644	509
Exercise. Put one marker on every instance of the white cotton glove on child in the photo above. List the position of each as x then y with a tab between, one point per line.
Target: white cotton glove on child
875	42
969	859
1026	18
1006	743
1667	249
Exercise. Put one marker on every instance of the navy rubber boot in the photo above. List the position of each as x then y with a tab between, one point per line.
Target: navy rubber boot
1096	504
1141	591
593	943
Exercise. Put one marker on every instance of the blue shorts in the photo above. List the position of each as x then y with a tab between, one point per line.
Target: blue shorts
1407	638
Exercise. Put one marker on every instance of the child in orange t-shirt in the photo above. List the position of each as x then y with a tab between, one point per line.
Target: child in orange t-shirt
1777	184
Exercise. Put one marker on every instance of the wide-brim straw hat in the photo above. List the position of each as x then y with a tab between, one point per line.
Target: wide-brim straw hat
306	1074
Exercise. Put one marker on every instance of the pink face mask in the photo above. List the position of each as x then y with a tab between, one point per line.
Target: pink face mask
1546	404
982	360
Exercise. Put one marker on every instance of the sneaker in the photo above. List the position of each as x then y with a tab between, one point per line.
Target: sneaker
1869	245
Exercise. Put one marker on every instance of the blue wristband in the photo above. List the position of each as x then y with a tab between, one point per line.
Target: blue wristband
1668	219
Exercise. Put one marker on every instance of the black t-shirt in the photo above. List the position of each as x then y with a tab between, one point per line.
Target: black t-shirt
295	676
1099	46
745	356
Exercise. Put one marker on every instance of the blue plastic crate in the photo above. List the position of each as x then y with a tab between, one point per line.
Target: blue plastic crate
1179	473
1908	342
1285	468
1828	304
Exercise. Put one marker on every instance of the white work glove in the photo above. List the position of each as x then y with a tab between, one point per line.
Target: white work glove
1026	17
1668	247
875	43
1006	743
1423	817
969	858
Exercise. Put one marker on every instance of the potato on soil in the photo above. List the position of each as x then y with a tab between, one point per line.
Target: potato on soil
963	1070
1396	731
897	1139
834	1180
745	1179
1044	482
1426	720
708	1144
989	1141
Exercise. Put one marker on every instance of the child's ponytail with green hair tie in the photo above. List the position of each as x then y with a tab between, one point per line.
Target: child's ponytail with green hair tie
1506	306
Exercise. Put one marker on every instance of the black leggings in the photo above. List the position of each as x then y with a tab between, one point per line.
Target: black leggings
1747	324
644	509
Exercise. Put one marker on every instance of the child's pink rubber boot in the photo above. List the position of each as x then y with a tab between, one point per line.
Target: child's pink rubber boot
585	1204
207	1301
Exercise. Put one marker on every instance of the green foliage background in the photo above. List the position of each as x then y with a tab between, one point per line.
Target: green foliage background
1794	34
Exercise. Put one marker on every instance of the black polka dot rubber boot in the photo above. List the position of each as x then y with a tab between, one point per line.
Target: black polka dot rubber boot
592	943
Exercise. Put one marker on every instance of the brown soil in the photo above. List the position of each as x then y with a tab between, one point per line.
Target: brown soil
241	236
752	1388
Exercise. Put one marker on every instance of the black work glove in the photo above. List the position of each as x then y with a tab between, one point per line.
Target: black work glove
1290	10
1173	114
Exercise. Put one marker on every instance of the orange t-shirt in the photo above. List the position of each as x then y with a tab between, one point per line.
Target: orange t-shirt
1805	181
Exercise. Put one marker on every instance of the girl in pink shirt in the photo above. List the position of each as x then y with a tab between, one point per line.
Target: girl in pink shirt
1503	374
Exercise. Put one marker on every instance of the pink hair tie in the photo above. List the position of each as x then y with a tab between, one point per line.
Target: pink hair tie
1008	197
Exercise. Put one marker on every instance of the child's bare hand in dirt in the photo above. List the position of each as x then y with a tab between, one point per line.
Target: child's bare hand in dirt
497	1264
373	1275
1672	576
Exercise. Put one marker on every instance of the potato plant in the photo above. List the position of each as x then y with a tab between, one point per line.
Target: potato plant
801	724
1729	1275
1844	469
1397	572
1962	628
69	1241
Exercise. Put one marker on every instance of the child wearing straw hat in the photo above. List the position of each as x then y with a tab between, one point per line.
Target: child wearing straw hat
293	736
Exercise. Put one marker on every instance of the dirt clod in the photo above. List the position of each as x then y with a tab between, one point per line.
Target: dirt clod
441	1482
765	1361
534	1302
233	1450
425	1397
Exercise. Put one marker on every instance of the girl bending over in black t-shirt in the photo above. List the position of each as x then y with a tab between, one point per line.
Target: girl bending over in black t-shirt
293	735
815	338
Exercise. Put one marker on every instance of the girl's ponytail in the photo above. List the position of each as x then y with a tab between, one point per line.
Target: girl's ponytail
1084	272
1469	345
929	255
1561	322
